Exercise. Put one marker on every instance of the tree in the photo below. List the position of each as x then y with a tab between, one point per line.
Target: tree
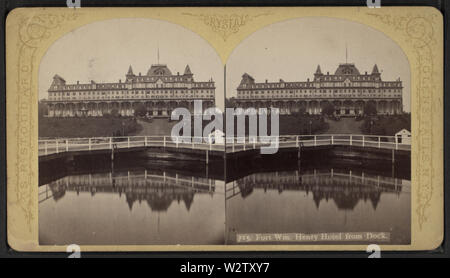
370	109
230	102
42	109
328	109
140	110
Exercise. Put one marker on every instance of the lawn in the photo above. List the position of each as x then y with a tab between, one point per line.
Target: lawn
87	127
295	124
120	126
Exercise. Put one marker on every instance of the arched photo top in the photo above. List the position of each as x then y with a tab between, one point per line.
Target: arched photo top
103	52
293	49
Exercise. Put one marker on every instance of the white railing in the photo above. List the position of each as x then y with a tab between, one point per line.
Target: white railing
58	145
233	144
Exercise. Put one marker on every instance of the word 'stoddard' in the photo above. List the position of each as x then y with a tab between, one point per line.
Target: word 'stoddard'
257	122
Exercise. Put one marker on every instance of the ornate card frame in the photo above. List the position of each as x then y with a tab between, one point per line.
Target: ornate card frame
417	30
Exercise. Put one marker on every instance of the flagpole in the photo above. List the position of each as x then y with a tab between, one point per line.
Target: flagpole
346	55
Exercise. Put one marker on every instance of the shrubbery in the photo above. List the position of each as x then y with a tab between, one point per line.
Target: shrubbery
87	126
386	125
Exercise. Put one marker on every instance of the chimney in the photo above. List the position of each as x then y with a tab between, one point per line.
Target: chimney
139	74
266	80
178	73
120	80
328	73
78	82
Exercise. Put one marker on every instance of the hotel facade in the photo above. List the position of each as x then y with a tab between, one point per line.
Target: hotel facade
347	90
159	91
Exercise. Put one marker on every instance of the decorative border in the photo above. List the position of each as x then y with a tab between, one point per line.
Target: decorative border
418	29
32	31
225	24
420	34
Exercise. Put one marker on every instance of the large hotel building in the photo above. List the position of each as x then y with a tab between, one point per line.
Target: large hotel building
347	89
159	90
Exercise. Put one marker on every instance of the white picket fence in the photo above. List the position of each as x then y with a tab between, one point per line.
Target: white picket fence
233	144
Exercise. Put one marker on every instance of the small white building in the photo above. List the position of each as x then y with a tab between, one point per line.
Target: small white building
403	137
216	137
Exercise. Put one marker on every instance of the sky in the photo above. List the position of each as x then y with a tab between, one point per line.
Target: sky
290	50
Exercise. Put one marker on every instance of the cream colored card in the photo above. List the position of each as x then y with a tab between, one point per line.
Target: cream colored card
226	57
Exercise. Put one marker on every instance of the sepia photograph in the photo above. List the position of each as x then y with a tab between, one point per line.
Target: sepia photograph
110	171
120	163
342	171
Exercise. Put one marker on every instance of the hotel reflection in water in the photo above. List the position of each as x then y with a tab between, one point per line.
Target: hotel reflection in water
308	201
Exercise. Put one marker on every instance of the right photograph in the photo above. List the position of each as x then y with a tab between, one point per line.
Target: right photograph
318	150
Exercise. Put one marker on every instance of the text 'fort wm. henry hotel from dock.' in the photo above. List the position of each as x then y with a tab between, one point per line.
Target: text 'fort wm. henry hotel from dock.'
346	89
160	91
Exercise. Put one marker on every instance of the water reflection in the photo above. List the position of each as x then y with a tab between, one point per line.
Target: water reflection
319	200
346	189
137	206
157	189
160	202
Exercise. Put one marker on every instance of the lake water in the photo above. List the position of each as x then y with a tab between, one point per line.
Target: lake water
160	202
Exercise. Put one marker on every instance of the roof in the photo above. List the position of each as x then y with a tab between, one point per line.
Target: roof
247	79
403	131
347	69
217	132
375	69
59	78
130	71
187	70
318	71
158	70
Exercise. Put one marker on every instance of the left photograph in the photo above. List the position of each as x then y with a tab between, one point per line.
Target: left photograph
130	150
